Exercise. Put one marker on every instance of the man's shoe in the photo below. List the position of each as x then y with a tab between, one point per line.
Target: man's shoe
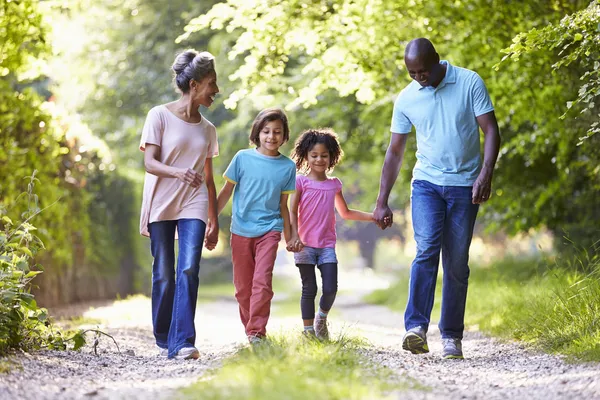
415	341
452	349
187	353
321	327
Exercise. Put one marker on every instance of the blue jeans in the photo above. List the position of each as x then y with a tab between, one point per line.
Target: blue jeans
174	297
443	219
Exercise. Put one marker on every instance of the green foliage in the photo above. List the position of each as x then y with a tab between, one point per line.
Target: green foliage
24	325
297	369
305	54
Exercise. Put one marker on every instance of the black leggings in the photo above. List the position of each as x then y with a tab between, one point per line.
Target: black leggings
329	274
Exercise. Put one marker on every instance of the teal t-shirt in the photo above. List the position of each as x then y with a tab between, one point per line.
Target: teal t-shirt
260	181
448	148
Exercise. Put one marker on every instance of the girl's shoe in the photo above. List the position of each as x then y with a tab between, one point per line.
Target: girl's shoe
309	334
321	327
187	353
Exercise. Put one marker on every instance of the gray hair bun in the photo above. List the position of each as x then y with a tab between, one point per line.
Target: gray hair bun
190	65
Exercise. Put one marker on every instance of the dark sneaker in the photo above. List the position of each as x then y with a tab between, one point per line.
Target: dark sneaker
321	327
187	353
452	349
309	334
415	341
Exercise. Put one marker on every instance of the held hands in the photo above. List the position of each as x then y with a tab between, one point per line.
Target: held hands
482	188
294	244
190	176
383	216
211	237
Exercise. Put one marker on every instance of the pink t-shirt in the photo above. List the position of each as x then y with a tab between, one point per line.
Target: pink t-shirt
184	145
316	211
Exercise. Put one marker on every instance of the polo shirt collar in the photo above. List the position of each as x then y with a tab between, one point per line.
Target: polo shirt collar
450	76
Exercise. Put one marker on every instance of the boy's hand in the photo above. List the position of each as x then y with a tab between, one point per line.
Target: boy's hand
212	235
294	244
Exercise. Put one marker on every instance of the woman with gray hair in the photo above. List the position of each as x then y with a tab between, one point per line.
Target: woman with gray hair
179	200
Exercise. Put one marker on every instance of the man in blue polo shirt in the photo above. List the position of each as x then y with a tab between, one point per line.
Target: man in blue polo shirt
447	105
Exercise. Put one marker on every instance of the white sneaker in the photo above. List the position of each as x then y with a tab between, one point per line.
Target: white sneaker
187	353
163	352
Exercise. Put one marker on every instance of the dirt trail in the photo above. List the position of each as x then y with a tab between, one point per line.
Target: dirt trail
492	370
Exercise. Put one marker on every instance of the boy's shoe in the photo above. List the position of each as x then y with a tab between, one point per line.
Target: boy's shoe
163	352
255	339
321	327
452	349
415	341
187	353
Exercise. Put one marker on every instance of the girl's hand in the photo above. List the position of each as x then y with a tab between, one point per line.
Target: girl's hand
294	244
190	176
211	238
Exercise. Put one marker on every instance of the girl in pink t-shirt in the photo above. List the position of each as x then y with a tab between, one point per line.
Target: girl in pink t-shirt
316	152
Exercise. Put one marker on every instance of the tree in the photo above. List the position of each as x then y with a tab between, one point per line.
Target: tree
355	48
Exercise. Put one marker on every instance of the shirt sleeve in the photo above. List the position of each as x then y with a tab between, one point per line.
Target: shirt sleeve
153	129
299	184
400	122
213	146
232	172
482	103
290	184
338	186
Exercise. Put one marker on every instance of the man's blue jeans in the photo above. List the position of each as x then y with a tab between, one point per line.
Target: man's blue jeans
174	297
443	218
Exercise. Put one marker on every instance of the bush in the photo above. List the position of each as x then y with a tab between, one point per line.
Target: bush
23	325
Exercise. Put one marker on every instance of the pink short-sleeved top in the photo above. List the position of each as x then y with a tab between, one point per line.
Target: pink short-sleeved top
183	145
316	211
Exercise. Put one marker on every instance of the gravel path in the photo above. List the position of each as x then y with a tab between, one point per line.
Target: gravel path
492	370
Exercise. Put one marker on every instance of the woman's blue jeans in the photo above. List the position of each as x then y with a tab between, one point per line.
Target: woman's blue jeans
174	296
443	219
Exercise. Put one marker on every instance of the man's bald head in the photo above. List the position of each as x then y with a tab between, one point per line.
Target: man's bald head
423	62
421	49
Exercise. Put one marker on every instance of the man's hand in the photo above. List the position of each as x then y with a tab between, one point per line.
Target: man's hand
482	188
212	235
383	216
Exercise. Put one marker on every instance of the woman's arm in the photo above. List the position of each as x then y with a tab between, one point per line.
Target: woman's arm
347	213
212	230
155	167
224	196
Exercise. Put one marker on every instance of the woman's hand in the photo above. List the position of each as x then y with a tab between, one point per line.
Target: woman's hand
211	238
190	176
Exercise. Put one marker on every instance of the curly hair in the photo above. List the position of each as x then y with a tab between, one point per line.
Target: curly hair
263	118
309	139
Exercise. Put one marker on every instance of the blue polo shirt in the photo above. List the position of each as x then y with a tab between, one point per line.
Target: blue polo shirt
260	181
448	148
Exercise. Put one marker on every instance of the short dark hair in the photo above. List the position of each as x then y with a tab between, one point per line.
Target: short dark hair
190	65
308	139
264	117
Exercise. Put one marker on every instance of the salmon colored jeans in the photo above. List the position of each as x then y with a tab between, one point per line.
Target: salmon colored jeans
253	261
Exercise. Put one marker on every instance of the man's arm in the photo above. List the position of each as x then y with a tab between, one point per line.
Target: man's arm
482	188
389	173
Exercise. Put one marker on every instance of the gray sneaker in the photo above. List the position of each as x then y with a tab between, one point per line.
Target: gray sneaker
162	352
415	341
321	327
452	349
187	353
255	339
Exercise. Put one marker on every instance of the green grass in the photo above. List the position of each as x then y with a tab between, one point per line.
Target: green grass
284	368
552	305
